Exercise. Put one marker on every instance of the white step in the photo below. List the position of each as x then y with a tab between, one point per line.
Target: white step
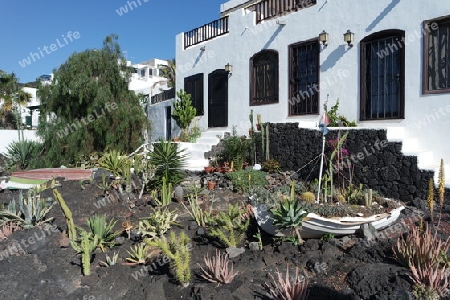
196	164
410	145
424	158
395	133
196	151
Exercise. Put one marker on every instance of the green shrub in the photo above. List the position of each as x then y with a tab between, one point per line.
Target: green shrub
236	149
245	180
183	112
271	166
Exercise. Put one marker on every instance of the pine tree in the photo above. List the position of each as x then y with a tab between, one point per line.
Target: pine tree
90	107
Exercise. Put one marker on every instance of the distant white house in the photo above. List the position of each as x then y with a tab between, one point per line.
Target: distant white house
146	79
387	61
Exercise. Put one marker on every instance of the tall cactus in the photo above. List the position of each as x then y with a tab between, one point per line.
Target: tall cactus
72	231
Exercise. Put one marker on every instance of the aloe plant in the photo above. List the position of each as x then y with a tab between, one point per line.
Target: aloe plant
113	161
103	230
138	254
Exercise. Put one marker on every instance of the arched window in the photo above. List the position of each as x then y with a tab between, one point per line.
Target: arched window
383	76
264	78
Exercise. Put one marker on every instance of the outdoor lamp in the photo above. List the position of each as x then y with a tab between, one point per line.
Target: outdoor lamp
228	68
323	37
349	37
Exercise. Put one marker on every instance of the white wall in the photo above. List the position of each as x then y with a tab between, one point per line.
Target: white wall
245	38
9	136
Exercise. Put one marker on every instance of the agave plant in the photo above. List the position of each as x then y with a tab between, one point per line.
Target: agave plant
289	215
168	161
30	211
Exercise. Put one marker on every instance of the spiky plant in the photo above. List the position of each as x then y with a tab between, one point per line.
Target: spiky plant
138	254
431	281
103	230
168	160
420	247
430	197
289	215
287	288
29	211
217	269
441	183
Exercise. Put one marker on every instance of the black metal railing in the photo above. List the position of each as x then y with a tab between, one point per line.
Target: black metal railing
268	9
206	32
165	95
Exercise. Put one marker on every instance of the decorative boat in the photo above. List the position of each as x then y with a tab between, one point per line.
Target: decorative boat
50	173
16	183
315	226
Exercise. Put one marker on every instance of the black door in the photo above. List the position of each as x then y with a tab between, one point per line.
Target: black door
218	99
168	123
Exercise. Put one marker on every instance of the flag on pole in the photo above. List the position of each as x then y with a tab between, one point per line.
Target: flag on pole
325	120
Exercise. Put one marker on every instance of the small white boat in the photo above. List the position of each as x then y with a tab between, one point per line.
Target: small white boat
315	226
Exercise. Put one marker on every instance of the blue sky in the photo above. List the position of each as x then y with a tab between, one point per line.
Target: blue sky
147	31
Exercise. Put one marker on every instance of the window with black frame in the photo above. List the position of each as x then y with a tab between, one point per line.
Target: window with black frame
382	76
304	78
264	78
437	56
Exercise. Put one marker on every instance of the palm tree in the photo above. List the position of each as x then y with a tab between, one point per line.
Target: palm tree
11	97
168	71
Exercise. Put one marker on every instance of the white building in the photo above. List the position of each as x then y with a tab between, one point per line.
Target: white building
146	79
394	73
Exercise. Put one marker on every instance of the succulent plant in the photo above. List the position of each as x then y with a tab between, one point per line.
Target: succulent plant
289	214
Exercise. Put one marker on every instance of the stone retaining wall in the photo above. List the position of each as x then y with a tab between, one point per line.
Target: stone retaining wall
373	160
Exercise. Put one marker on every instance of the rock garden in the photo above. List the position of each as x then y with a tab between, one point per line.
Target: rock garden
141	227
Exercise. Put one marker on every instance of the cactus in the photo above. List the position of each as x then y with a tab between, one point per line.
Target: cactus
72	231
292	191
308	197
441	183
85	246
177	250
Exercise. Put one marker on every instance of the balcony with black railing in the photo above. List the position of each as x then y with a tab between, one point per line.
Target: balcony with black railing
206	32
163	96
268	9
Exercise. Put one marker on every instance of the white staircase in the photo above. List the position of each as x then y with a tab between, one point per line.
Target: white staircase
196	160
425	157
